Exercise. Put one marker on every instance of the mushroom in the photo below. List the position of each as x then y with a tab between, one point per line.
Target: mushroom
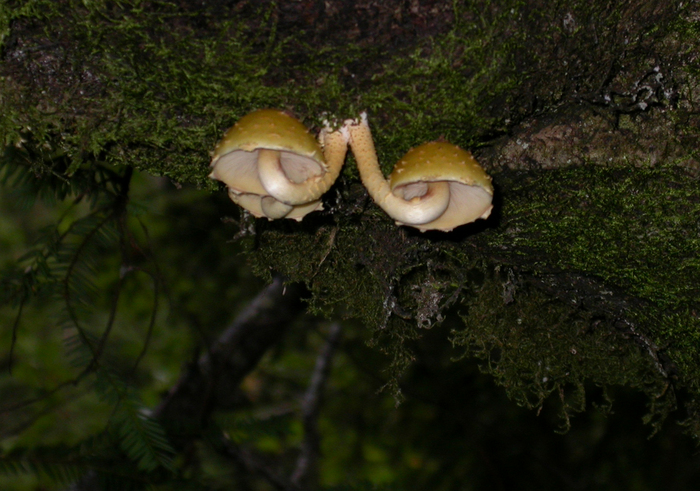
274	167
435	186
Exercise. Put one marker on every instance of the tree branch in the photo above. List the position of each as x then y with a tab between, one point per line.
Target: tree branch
212	382
310	447
255	466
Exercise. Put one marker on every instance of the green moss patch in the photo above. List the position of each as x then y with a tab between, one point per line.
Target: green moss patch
153	85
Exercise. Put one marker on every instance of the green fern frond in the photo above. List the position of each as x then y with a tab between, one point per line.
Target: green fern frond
71	257
58	464
36	170
65	466
33	175
66	263
141	437
79	345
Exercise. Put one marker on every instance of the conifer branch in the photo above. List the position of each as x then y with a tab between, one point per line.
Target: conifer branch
157	279
67	293
151	322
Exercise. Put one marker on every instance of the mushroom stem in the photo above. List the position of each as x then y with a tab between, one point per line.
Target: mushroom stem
335	147
426	206
281	187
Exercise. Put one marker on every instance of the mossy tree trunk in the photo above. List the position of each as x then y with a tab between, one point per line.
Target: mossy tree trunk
586	114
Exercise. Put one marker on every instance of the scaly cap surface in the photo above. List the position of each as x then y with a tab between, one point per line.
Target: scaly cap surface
271	129
439	161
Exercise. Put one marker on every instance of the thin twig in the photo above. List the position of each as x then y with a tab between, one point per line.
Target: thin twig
15	328
157	278
311	407
151	323
108	328
69	306
34	400
209	381
331	242
254	465
117	212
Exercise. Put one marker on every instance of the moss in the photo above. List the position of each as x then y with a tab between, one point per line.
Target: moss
397	281
538	348
154	85
631	231
634	230
154	89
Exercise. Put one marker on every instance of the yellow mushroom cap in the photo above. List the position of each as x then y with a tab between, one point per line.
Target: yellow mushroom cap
266	129
471	191
439	161
274	168
271	129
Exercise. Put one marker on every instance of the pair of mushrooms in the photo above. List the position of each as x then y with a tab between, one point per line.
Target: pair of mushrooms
274	168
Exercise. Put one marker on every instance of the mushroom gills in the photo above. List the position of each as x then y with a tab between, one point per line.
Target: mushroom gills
268	207
238	170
